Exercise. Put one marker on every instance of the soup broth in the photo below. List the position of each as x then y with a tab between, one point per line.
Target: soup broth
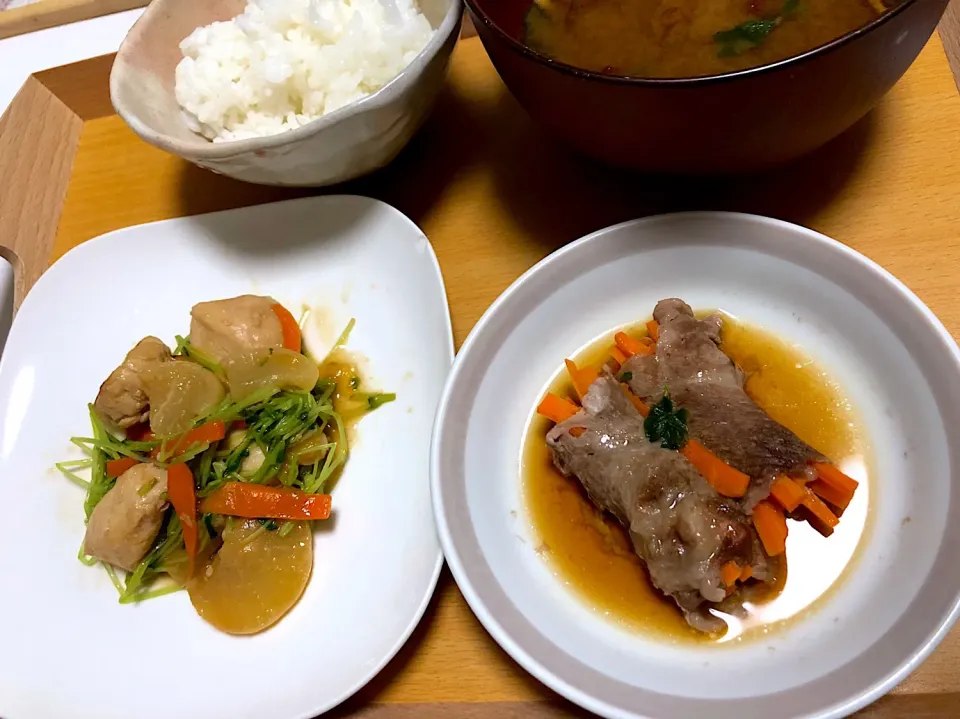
688	38
592	553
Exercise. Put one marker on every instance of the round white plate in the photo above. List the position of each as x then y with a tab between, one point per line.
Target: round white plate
69	648
901	370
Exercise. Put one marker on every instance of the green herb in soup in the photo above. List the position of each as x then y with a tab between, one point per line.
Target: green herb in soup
748	35
688	38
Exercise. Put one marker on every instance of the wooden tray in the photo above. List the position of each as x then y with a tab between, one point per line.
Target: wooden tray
495	196
41	14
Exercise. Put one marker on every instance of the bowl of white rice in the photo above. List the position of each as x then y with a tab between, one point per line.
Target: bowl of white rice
284	92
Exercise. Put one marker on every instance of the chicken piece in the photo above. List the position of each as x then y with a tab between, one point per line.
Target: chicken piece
225	328
122	400
125	523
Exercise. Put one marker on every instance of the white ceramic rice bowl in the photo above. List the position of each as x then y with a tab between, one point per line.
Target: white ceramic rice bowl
344	144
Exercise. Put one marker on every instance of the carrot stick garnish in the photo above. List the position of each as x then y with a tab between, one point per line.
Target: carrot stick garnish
746	573
730	573
787	492
725	479
116	467
827	492
653	330
139	432
823	520
636	401
255	501
557	408
618	355
581	378
289	326
204	434
771	526
183	496
630	346
833	476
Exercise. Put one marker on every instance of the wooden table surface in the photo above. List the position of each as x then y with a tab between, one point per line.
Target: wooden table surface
495	196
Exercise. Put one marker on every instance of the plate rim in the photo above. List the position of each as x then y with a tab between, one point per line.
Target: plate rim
455	561
448	344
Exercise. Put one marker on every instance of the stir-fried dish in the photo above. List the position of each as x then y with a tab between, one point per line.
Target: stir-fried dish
688	38
209	462
663	437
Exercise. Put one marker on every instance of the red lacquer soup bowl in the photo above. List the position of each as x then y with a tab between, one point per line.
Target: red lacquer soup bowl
732	122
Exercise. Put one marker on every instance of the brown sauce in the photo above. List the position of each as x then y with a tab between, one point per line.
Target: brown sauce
592	554
343	368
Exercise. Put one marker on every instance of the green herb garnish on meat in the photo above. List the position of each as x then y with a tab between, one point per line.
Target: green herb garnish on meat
751	34
626	376
666	426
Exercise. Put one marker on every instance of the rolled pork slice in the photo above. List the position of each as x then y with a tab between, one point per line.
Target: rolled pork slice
680	527
702	379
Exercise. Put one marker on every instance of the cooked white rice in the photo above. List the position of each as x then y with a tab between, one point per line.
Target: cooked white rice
283	63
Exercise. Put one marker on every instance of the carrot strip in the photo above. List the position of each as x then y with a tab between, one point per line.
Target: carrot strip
183	496
577	431
825	520
725	479
573	372
255	501
653	330
618	354
637	402
836	497
789	493
746	574
116	467
771	525
557	408
204	434
289	326
831	475
630	346
139	432
581	378
730	573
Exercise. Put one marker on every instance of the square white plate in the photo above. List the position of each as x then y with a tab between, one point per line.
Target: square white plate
69	648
